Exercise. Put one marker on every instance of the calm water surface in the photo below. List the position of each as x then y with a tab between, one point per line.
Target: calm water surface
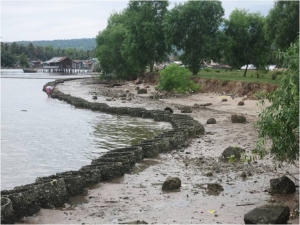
41	136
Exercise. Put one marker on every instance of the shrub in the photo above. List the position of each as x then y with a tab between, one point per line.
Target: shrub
280	121
260	94
177	79
207	69
217	71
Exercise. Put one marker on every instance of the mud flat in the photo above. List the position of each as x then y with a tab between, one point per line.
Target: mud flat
137	196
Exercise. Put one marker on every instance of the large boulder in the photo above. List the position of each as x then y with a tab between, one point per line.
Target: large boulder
238	119
282	185
230	151
171	183
268	214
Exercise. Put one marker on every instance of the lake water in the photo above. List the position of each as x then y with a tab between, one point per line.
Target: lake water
41	136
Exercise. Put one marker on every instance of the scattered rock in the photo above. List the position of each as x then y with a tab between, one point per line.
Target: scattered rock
206	104
282	185
126	90
224	100
137	88
236	151
186	109
241	103
268	214
169	109
95	97
214	189
209	174
109	99
147	86
171	183
243	174
211	121
142	91
238	119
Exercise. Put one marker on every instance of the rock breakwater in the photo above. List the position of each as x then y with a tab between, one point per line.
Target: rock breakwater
54	190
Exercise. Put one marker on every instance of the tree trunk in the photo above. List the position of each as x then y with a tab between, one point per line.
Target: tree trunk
151	67
245	71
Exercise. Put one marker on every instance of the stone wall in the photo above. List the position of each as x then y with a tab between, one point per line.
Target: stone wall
53	191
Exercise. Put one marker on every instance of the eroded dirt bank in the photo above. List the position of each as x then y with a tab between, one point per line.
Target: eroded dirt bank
138	195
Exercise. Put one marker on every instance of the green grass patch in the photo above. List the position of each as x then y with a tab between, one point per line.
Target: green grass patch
238	75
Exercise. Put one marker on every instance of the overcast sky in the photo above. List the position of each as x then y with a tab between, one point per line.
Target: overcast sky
70	19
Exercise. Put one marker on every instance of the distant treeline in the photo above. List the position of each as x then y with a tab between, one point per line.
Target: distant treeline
79	44
11	52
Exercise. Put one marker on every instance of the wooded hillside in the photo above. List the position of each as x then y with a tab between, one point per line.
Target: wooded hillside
79	44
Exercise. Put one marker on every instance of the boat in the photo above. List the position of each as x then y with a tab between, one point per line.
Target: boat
30	70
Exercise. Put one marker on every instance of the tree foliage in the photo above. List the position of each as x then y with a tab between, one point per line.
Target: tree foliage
192	27
110	46
282	24
280	121
177	79
144	44
247	43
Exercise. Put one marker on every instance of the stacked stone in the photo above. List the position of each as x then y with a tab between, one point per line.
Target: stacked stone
53	191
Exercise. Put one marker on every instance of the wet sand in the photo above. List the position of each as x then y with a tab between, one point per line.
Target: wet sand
137	196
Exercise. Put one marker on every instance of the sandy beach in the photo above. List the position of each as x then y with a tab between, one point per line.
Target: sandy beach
137	197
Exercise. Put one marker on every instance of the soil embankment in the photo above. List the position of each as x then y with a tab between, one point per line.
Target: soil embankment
138	197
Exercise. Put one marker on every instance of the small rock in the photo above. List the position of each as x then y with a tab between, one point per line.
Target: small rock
95	97
224	100
171	183
238	119
211	121
241	103
137	88
142	91
236	151
169	109
206	104
243	174
186	109
209	174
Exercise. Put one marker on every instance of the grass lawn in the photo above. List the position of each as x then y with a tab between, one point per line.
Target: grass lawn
238	75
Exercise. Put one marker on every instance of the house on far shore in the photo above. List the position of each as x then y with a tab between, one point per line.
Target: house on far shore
58	64
36	64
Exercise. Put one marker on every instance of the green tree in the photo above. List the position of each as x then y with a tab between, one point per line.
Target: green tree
192	27
282	24
145	44
280	121
23	60
247	43
110	46
7	58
